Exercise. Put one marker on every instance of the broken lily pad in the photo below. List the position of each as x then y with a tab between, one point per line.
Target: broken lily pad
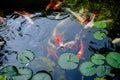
100	24
24	74
87	69
68	61
99	35
25	57
113	59
97	59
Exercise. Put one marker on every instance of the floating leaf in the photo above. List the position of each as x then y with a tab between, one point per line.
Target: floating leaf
3	78
113	59
87	69
68	61
25	57
101	78
42	75
100	24
97	59
99	35
103	70
24	74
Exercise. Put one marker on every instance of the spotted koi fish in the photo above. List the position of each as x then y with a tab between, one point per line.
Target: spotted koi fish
52	52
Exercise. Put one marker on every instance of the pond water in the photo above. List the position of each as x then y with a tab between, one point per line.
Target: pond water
20	35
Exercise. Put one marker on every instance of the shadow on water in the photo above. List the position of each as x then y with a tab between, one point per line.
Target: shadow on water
21	35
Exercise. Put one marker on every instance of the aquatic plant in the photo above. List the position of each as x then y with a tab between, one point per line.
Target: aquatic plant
103	70
3	77
68	61
25	57
24	73
87	69
42	75
99	35
97	59
100	78
100	24
113	59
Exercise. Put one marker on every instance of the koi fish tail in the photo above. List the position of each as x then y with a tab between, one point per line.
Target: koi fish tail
52	52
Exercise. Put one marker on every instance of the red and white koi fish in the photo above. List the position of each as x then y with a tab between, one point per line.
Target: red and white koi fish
26	15
52	52
55	4
81	51
2	19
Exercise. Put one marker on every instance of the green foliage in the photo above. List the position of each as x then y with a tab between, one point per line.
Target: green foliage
3	77
87	69
100	24
113	59
97	59
68	61
42	75
99	35
25	57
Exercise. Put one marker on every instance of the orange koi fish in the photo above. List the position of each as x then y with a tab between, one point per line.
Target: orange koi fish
81	51
52	52
55	4
58	39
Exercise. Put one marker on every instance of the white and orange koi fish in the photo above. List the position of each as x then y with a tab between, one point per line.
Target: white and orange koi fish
81	51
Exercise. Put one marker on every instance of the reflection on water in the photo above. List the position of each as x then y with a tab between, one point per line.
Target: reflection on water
20	35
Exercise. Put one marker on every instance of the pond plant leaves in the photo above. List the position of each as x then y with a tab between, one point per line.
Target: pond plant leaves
68	61
104	70
25	57
100	24
113	59
24	73
3	77
99	35
87	69
97	59
42	75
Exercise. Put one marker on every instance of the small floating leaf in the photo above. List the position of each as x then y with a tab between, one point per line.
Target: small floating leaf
87	69
113	59
101	78
25	57
97	59
100	24
3	77
99	35
24	74
42	75
68	61
104	70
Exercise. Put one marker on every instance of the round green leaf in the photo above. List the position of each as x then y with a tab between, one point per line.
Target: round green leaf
99	35
42	75
68	61
97	59
100	24
87	69
9	70
3	77
25	57
24	74
113	59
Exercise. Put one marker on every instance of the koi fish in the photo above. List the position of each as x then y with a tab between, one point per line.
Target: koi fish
58	39
26	15
55	4
116	40
81	51
2	19
52	52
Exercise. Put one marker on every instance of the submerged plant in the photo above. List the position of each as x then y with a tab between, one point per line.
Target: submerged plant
113	59
68	61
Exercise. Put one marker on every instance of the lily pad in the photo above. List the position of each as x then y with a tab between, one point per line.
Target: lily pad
68	61
99	35
24	74
97	59
87	69
113	59
3	77
25	57
42	75
104	70
100	24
